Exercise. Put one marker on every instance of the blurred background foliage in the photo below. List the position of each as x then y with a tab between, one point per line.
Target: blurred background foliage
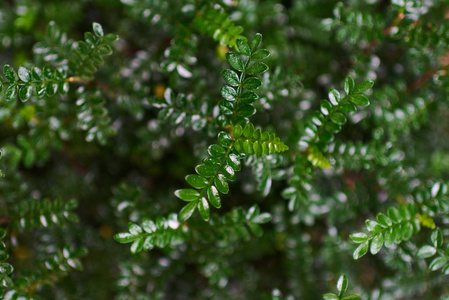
81	164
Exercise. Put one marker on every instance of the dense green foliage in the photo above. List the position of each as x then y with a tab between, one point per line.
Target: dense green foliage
195	149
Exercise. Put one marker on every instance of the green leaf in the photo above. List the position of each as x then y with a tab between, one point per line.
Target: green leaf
248	97
196	181
205	170
330	296
214	196
342	284
349	85
234	161
437	238
246	111
11	93
377	243
252	83
230	77
334	96
394	215
134	229
361	250
6	268
137	246
260	54
125	237
237	131
255	43
359	237
359	100
226	107
228	172
438	263
228	93
235	60
148	225
325	107
338	118
243	47
426	251
25	92
224	139
248	130
104	50
24	74
363	87
257	68
203	207
10	73
216	150
383	220
351	297
262	218
187	194
222	184
187	211
347	108
98	30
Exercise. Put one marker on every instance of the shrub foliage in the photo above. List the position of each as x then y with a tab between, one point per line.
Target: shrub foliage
193	149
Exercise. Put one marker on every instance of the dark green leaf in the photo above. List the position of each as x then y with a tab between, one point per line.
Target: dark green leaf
255	43
216	151
257	68
11	93
351	297
230	77
10	73
248	97
98	30
222	184
224	139
252	83
359	100
347	108
325	107
363	87
125	237
334	96
228	172
228	93
246	111
243	47
330	296
260	54
205	170
234	161
214	196
187	211
203	207
196	181
25	92
24	74
137	246
262	218
437	238
187	194
104	50
226	107
348	85
235	60
338	118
